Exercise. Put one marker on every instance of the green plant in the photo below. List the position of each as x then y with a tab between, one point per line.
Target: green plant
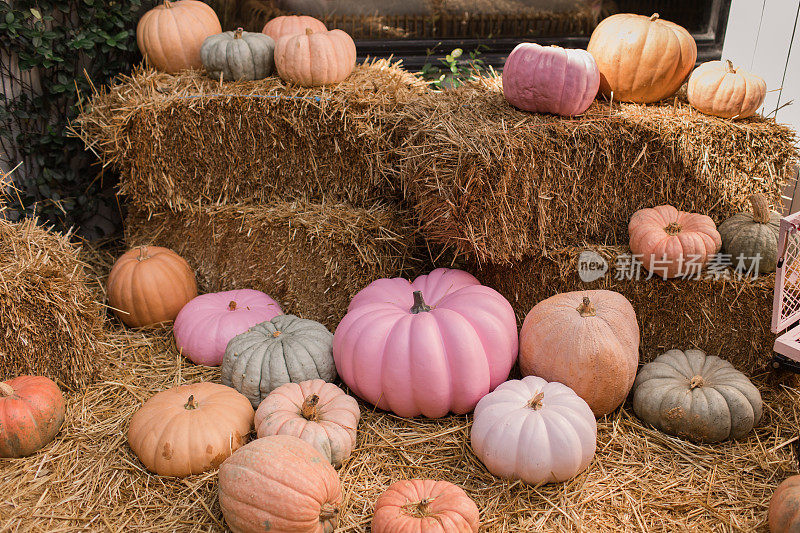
453	69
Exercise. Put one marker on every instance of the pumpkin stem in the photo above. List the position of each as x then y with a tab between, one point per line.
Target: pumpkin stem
697	381
419	509
419	304
190	403
537	402
729	67
232	306
328	511
654	17
673	228
309	31
238	33
6	390
587	308
760	208
143	253
309	408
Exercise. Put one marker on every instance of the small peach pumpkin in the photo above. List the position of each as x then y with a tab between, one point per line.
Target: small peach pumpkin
720	89
313	59
292	25
784	507
31	414
425	505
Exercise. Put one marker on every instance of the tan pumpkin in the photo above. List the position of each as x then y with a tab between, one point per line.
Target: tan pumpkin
292	25
641	59
317	412
149	285
672	243
784	507
170	35
313	59
190	429
587	340
425	505
720	89
31	414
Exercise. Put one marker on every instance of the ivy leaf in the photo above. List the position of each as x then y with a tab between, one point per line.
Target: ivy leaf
36	14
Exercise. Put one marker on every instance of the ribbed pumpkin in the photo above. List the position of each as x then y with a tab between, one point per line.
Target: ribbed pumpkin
279	483
31	414
699	397
672	243
190	429
720	89
425	505
313	59
286	349
587	340
238	55
751	235
149	285
170	35
784	507
641	59
535	431
292	25
550	79
317	412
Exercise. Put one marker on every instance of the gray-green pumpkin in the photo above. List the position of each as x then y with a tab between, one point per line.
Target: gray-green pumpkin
238	55
699	397
286	349
751	235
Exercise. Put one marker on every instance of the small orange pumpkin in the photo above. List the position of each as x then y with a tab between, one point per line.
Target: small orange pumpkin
425	505
784	507
149	285
31	414
718	88
314	59
292	25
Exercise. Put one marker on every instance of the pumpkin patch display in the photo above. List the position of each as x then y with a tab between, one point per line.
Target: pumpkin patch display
238	55
535	431
279	483
292	25
425	505
313	59
31	414
190	429
315	411
752	237
672	243
718	88
641	59
205	325
699	397
286	349
550	79
587	340
149	285
170	35
784	507
427	347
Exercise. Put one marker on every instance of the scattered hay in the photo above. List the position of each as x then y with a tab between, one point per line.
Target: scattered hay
50	317
500	184
312	258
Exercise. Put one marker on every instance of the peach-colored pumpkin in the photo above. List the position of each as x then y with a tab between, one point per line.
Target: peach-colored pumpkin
672	243
784	507
718	88
425	506
170	35
587	340
314	59
292	25
317	412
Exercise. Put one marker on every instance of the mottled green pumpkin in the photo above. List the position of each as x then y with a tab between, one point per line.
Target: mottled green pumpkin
286	349
238	55
750	235
695	396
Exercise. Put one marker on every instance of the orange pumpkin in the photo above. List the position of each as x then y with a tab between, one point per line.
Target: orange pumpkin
31	414
190	429
641	59
313	59
170	35
292	25
149	285
718	88
784	507
425	505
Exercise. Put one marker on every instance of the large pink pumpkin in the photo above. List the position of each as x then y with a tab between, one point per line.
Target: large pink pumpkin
550	79
429	347
207	323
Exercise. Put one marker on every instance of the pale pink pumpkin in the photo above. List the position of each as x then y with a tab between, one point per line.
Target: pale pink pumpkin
292	25
535	431
207	323
313	59
550	79
315	411
429	347
672	243
425	505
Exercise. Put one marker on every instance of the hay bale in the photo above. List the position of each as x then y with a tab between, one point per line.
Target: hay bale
187	140
312	258
50	316
501	184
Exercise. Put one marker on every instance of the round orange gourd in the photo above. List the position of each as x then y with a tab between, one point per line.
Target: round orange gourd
292	25
425	505
31	413
190	429
149	285
170	35
641	59
784	507
314	59
720	89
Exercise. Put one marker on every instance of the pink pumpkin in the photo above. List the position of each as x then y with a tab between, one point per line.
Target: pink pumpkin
550	79
429	347
207	323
